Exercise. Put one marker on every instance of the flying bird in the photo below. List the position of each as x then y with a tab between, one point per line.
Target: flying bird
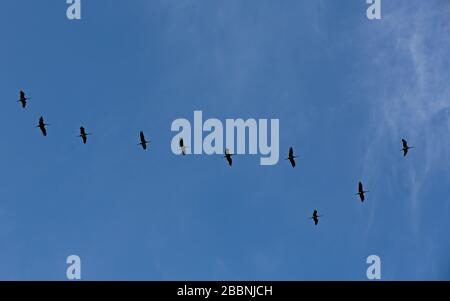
291	156
42	125
23	99
182	147
143	141
315	217
405	147
361	191
228	156
83	134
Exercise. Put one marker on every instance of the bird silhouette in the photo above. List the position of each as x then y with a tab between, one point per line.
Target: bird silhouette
315	217
405	147
291	156
42	125
83	134
143	141
228	157
182	146
361	191
23	99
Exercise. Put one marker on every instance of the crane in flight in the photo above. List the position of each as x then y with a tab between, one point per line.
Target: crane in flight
83	134
42	125
361	192
291	156
143	141
315	217
405	147
23	99
228	156
182	146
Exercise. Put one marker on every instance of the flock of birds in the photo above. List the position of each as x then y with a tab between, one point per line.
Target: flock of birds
23	99
361	192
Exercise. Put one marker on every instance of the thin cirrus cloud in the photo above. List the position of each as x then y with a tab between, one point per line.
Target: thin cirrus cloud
418	98
413	102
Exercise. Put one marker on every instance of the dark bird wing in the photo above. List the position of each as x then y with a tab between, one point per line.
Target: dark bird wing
44	130
291	152
361	196
316	220
230	161
22	95
292	162
360	187
405	144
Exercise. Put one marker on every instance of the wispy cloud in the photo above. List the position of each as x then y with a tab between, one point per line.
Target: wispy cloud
410	49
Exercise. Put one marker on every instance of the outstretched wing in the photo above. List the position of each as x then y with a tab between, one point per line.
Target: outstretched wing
44	131
405	144
360	187
291	152
22	95
230	161
292	161
316	220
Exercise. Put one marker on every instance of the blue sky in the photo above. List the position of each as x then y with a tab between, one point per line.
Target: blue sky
345	89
